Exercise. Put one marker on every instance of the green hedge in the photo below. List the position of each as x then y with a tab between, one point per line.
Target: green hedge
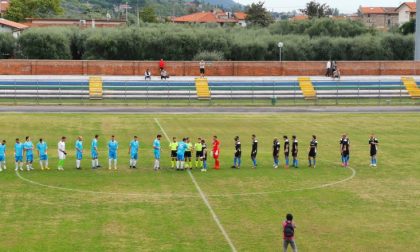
185	42
7	45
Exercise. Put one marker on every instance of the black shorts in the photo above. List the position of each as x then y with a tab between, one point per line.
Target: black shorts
346	153
198	154
188	154
294	154
312	154
253	155
372	153
238	154
275	154
173	154
286	154
202	70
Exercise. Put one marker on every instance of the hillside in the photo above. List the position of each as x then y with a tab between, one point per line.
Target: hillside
99	8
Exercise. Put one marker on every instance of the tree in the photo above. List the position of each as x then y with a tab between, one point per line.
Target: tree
409	27
7	45
148	15
21	9
258	15
316	10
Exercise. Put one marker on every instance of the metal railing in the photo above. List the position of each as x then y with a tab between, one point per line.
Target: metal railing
249	93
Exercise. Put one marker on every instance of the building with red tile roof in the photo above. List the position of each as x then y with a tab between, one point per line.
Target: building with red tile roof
381	18
212	17
406	12
11	27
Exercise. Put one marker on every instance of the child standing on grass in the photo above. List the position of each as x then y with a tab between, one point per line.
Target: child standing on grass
289	233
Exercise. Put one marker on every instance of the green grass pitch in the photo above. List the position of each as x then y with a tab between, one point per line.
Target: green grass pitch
143	210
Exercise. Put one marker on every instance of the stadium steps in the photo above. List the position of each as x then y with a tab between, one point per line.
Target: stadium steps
411	86
95	88
307	88
202	88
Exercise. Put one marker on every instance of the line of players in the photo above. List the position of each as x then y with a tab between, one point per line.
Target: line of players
181	152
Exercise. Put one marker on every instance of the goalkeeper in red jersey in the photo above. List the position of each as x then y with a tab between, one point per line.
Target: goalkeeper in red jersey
216	152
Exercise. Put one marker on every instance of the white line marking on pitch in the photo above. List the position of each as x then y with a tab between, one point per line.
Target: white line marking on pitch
290	190
148	195
204	198
159	195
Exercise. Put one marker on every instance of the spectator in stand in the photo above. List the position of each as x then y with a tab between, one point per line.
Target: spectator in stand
328	68
161	65
147	75
164	75
289	233
202	68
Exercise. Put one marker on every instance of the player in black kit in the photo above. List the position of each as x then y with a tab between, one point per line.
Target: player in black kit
373	142
345	150
254	151
238	154
313	146
286	149
276	151
295	151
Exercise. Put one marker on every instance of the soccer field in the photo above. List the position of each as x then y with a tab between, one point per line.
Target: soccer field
335	209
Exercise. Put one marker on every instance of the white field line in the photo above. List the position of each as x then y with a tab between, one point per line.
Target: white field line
204	198
160	195
148	195
290	190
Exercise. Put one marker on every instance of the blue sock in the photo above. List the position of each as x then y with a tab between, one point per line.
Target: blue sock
343	159
314	161
310	162
239	162
234	161
287	161
254	161
205	164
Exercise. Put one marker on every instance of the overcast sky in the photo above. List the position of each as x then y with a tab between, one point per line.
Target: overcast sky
345	6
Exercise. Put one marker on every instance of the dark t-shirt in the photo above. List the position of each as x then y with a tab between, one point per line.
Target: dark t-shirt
373	145
276	147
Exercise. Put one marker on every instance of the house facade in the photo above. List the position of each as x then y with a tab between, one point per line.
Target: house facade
11	27
381	18
406	12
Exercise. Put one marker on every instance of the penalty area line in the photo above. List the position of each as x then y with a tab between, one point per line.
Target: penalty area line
204	198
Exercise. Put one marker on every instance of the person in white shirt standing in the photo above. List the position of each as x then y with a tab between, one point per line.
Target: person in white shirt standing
61	153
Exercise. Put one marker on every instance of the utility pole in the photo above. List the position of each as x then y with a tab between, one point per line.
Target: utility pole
138	14
417	50
126	11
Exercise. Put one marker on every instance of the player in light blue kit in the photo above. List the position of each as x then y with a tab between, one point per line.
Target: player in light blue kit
28	147
156	152
133	151
18	155
42	148
182	147
94	152
112	152
79	152
3	155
